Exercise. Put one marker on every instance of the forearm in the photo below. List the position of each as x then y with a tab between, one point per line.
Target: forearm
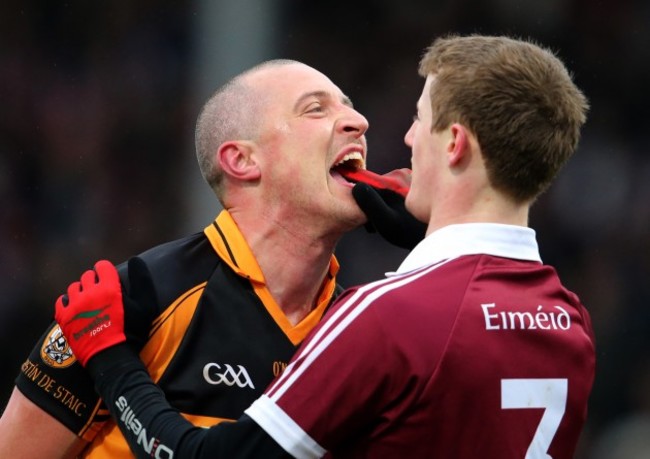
139	407
151	425
91	315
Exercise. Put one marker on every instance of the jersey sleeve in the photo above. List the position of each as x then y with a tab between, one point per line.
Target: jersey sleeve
52	378
153	428
350	351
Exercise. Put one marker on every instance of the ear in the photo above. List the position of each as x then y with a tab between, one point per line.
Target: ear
237	160
458	144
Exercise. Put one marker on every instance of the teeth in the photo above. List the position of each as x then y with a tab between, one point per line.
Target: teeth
355	156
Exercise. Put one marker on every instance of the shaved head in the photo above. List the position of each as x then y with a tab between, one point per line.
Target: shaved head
233	112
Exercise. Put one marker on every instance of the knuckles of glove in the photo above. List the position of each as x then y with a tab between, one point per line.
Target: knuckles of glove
91	313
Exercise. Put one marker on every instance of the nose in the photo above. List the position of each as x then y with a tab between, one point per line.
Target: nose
408	137
353	122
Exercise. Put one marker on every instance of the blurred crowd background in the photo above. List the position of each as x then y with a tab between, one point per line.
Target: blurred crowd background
97	108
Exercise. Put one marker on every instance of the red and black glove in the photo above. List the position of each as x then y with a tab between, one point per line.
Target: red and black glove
91	314
397	180
381	197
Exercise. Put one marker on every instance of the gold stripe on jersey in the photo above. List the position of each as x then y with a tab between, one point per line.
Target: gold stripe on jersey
95	423
167	335
169	328
205	421
167	313
229	243
165	338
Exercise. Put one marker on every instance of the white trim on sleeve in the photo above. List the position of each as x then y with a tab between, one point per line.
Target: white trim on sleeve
284	430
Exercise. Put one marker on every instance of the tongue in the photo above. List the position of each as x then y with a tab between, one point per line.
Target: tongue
374	180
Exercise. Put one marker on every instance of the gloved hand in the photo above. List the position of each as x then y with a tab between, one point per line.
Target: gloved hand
388	216
398	180
91	314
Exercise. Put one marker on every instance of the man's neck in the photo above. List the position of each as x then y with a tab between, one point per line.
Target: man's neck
294	261
481	206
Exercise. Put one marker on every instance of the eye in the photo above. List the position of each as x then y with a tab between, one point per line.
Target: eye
315	107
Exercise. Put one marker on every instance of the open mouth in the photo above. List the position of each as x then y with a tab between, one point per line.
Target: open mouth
352	169
348	166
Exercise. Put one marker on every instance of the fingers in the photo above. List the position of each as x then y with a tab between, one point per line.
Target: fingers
398	180
77	312
88	279
74	289
61	303
107	272
58	308
104	270
404	174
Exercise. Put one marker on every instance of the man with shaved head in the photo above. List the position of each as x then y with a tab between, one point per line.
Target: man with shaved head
218	314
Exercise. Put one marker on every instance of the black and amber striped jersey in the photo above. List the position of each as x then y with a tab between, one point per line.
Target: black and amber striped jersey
207	327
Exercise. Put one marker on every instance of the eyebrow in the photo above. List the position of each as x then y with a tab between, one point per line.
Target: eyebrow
345	100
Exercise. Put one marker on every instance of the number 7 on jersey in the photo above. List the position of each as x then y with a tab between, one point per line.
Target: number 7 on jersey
550	394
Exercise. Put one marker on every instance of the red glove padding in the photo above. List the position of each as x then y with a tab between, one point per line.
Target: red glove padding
398	180
91	315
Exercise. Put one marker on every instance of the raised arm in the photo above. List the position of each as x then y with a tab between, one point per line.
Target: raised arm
91	316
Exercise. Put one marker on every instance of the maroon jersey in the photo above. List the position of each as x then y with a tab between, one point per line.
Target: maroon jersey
473	348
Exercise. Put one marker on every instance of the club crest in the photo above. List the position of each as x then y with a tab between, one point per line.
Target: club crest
56	351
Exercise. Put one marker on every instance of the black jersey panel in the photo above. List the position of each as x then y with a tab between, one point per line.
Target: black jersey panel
231	351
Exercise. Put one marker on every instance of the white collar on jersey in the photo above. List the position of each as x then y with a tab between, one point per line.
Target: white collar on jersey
508	241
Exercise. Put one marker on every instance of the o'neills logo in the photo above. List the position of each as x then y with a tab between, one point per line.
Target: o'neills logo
56	351
150	444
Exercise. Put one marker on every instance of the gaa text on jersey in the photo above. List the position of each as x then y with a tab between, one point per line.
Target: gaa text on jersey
557	318
226	374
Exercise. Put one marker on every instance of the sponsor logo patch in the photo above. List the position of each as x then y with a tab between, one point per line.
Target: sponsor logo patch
56	351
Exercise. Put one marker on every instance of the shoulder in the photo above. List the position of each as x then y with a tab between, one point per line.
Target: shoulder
185	251
172	267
